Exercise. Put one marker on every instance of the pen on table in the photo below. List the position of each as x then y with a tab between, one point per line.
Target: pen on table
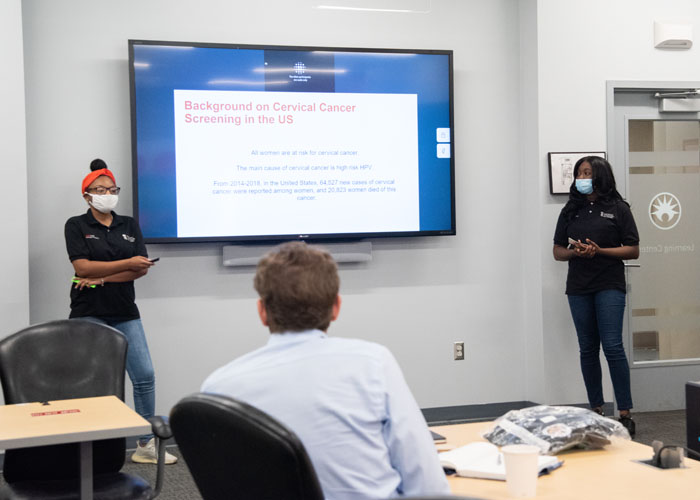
551	468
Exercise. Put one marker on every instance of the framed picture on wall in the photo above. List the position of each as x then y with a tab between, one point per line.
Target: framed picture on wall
561	169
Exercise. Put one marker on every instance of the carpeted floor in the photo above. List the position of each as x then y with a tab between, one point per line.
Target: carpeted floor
177	483
666	426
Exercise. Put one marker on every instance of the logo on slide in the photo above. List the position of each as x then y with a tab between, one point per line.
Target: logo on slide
665	210
298	75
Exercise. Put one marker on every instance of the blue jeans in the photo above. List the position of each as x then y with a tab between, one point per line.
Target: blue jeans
138	365
598	320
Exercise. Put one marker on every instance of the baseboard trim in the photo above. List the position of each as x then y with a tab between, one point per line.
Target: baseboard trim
444	415
447	415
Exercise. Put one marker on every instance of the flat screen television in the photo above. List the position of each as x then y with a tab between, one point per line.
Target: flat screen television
244	143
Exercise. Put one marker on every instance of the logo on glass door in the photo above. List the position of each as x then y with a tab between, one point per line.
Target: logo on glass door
665	210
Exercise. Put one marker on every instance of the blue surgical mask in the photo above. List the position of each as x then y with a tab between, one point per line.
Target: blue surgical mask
584	186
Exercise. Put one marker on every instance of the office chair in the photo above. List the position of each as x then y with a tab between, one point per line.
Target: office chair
68	359
230	446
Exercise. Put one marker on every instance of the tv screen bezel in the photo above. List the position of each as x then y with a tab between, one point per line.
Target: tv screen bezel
271	239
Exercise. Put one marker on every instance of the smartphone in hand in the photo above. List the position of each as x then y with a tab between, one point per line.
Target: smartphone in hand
158	258
574	244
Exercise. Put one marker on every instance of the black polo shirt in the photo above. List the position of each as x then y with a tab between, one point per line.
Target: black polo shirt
609	224
86	238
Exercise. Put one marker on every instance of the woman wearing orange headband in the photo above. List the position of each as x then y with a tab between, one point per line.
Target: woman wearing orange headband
108	253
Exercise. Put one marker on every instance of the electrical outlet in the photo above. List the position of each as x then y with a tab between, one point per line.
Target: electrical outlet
458	350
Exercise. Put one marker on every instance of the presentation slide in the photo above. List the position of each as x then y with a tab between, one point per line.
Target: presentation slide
255	163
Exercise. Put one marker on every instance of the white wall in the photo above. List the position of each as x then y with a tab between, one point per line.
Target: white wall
416	296
528	246
529	78
581	46
14	286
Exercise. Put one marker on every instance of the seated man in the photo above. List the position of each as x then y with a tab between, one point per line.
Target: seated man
346	399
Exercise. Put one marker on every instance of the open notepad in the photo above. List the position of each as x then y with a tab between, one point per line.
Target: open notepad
484	460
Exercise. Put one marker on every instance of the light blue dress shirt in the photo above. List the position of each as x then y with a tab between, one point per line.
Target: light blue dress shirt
349	404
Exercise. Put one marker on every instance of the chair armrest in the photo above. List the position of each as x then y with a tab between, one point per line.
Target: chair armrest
161	427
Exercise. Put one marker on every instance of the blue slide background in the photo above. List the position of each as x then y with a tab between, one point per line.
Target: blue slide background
160	69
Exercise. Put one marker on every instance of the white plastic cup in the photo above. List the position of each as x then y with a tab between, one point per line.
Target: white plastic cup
521	469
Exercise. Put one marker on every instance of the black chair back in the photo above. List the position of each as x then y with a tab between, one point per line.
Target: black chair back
57	360
236	450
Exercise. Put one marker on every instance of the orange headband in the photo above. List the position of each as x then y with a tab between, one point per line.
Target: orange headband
90	178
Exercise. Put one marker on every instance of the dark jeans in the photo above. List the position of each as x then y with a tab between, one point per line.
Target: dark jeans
598	320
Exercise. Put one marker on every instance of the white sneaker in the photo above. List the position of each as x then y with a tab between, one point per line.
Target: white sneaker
148	454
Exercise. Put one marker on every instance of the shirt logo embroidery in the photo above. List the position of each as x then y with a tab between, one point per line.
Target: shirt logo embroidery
607	216
91	237
128	238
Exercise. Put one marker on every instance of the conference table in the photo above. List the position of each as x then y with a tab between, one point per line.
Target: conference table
69	421
612	472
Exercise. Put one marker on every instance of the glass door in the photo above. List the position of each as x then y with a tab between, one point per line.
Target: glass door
663	189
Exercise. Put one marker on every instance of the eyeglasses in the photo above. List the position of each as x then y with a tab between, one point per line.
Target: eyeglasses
104	190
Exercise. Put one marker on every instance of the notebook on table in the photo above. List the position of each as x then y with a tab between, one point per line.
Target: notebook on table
485	461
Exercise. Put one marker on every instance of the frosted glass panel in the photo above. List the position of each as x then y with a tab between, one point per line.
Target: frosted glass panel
664	182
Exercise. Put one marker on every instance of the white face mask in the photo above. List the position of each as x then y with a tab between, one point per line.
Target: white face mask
105	203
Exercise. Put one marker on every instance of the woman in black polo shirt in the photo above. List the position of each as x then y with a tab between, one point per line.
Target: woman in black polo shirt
108	253
595	233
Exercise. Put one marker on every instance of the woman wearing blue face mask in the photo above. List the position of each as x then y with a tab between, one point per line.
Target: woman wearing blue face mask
108	253
595	233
